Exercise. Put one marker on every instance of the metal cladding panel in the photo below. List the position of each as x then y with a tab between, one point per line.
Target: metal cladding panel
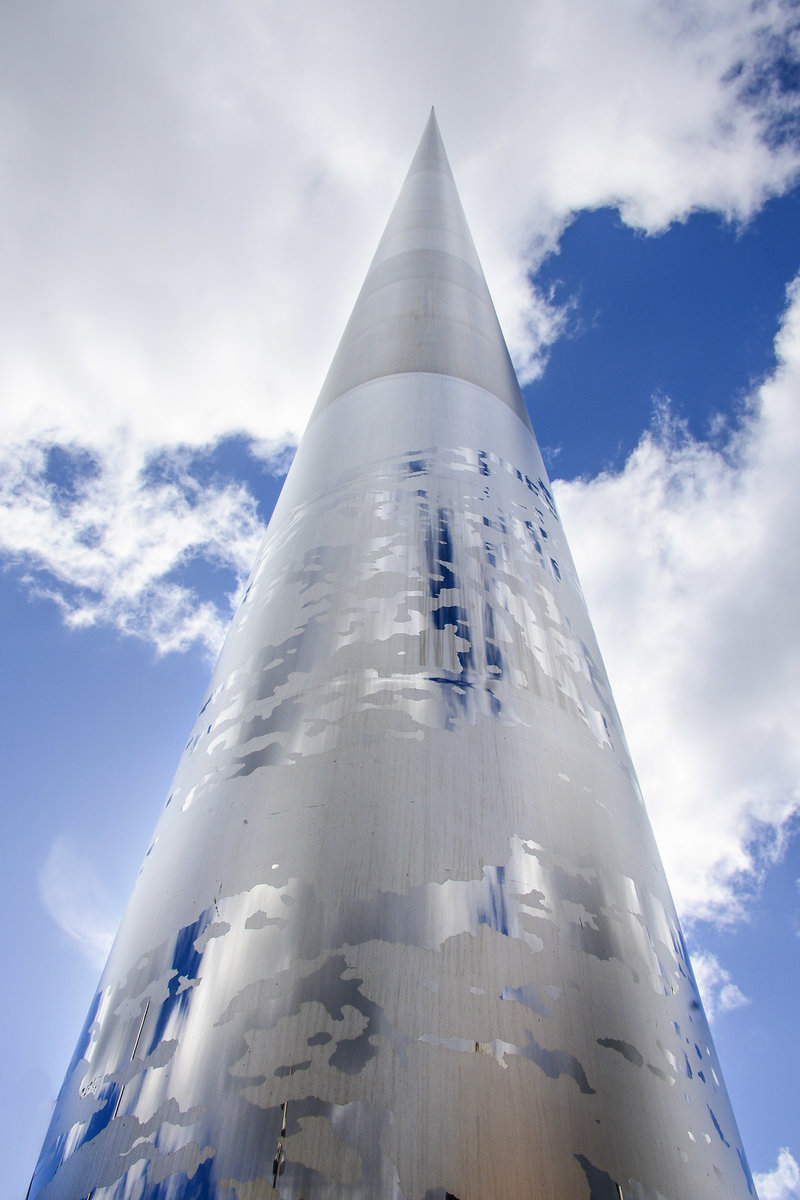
402	930
425	306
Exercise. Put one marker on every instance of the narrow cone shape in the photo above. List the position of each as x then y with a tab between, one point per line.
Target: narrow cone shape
403	930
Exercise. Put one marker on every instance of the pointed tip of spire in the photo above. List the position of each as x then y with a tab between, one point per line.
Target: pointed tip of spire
425	307
431	154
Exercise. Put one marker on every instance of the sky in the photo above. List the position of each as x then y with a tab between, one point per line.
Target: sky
191	196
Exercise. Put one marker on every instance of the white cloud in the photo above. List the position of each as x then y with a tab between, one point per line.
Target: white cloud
717	989
690	565
783	1183
109	546
192	193
77	901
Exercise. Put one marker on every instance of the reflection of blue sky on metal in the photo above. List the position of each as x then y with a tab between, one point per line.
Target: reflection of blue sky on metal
402	929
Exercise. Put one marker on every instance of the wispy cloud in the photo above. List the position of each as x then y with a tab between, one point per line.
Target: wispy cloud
691	570
717	989
106	541
76	900
169	267
783	1183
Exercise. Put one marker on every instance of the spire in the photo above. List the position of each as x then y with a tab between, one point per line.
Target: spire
424	305
431	154
402	930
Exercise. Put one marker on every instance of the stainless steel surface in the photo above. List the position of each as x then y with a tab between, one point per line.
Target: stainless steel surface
403	930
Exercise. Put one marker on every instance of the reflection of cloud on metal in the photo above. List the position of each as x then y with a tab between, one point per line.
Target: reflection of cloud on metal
76	900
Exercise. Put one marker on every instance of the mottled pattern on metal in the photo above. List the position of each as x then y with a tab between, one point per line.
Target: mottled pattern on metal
402	931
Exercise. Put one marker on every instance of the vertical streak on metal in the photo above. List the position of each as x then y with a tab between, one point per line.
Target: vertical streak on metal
403	929
141	1027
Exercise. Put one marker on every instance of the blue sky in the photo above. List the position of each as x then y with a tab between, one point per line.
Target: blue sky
186	234
690	315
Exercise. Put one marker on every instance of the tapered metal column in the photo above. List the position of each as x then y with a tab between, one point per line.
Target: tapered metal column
403	930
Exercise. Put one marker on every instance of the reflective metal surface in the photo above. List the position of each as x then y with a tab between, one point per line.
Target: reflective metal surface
403	930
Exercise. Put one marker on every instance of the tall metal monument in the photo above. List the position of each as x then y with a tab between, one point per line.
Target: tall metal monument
403	931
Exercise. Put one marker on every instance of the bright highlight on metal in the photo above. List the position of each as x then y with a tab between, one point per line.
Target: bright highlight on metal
403	930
